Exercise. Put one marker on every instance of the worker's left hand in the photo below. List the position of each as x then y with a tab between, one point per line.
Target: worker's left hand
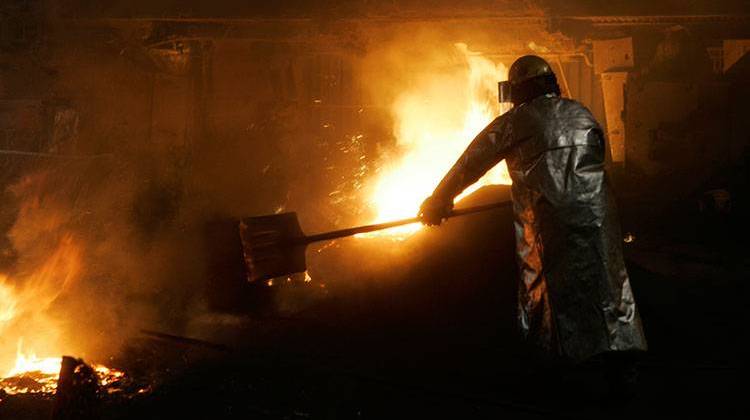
434	210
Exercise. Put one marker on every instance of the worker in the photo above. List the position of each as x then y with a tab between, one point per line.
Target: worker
575	303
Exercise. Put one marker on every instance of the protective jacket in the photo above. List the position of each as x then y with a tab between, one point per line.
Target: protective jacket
574	298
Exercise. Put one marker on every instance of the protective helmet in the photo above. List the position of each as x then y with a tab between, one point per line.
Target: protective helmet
528	75
528	67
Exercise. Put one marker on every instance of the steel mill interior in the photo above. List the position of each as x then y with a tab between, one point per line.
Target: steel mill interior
182	182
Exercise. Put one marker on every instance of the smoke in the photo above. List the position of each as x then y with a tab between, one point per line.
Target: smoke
98	257
99	248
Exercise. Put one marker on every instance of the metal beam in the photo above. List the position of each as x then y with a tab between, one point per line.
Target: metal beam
658	20
636	20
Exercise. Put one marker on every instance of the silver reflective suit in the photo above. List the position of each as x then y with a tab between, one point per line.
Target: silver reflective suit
575	299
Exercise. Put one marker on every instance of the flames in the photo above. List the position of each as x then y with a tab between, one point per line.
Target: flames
25	300
32	374
25	322
32	337
435	119
434	122
29	362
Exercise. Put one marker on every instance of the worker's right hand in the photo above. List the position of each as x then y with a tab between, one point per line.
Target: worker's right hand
434	210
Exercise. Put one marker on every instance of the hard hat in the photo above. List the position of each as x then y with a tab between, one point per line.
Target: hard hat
523	69
528	67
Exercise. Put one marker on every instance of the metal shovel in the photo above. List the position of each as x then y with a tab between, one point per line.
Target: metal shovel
275	245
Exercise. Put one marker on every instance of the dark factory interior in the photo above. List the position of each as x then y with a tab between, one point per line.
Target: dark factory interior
148	147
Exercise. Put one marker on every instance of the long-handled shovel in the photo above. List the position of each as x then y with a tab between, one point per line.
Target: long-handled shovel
275	245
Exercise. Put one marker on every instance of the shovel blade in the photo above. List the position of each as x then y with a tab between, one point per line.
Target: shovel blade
271	246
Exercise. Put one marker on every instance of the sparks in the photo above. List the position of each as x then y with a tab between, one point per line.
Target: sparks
434	122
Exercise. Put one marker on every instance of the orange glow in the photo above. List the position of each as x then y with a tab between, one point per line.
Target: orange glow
434	122
25	323
29	362
32	374
108	376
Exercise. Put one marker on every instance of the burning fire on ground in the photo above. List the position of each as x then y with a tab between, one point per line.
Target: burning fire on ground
32	374
31	337
434	122
24	301
435	119
29	372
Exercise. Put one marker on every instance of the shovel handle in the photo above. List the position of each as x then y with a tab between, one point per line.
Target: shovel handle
325	236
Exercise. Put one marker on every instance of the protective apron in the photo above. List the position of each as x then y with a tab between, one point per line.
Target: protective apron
574	297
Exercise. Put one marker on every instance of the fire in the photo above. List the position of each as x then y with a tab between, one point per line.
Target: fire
434	122
29	362
35	293
7	303
26	299
32	374
25	323
108	377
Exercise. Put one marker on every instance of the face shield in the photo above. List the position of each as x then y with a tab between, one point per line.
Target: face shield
504	92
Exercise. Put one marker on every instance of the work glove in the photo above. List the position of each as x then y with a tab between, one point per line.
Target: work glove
434	210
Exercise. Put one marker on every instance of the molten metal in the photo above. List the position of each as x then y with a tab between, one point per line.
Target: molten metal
434	122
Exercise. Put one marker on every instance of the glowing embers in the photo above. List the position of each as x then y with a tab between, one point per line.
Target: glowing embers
25	319
29	383
32	374
435	119
109	378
